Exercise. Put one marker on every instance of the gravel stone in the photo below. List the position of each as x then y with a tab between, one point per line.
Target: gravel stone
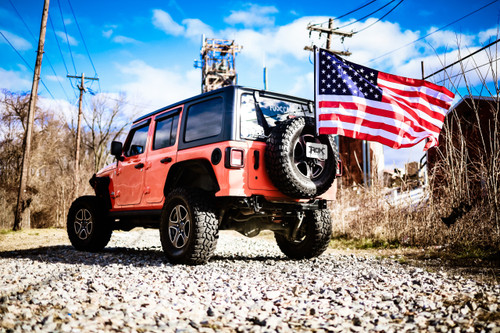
248	286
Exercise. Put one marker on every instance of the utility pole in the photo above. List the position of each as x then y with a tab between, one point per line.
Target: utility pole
22	202
330	31
82	89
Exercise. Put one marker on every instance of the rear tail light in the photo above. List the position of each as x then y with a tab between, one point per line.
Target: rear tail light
234	158
339	168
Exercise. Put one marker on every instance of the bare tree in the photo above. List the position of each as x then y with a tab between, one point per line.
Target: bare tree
105	122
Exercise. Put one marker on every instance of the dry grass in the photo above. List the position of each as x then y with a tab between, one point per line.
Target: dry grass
31	239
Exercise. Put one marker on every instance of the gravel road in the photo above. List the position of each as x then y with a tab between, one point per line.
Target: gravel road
248	286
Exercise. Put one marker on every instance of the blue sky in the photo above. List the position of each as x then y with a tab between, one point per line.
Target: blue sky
147	49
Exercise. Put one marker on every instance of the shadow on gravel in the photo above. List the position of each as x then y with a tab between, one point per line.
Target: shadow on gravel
66	254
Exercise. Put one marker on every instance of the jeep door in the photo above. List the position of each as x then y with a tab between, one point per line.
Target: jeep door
129	178
163	154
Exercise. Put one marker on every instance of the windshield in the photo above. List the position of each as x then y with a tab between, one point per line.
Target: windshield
273	110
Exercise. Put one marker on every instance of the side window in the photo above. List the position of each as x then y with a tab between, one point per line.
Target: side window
204	120
137	144
166	132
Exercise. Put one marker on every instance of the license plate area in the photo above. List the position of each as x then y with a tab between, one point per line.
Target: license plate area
316	150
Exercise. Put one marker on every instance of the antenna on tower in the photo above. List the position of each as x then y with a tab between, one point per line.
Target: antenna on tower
217	63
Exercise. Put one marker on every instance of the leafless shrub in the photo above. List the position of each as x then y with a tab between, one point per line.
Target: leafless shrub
50	183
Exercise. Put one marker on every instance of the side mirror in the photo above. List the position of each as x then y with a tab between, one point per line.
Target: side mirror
116	150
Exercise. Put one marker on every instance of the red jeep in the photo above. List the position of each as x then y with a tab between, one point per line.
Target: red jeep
234	158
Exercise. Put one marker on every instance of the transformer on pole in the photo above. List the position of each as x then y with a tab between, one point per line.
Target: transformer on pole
217	63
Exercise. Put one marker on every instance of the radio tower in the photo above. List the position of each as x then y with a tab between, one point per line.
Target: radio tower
217	63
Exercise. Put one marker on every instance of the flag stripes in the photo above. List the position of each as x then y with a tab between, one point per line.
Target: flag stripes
359	102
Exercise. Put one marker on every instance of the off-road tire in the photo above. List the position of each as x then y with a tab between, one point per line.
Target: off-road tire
189	227
312	239
287	165
87	226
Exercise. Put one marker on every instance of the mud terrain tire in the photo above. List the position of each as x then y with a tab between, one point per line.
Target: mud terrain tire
289	169
312	239
87	225
189	227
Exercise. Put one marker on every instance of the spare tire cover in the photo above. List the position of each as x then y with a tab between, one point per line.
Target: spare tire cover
288	167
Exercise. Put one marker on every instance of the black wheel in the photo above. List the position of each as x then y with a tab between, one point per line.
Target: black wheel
87	226
311	239
189	227
290	170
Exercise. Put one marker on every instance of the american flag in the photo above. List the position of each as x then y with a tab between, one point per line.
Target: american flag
362	103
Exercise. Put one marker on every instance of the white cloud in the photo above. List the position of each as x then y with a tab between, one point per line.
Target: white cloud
254	16
276	42
448	39
107	33
19	43
488	35
14	81
380	39
72	41
158	87
54	78
125	40
61	108
302	85
195	28
163	21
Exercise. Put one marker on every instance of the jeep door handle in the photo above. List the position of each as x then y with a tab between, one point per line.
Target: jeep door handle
166	160
139	166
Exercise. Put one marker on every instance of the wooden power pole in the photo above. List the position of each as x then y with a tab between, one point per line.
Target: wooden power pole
81	87
330	31
22	202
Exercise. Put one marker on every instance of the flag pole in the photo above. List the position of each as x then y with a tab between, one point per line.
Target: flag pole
315	87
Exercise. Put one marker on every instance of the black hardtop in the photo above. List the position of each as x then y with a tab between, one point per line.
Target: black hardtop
228	89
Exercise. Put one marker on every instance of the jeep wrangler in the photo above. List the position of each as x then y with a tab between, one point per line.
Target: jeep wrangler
230	159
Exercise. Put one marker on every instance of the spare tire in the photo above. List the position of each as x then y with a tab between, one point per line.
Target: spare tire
288	167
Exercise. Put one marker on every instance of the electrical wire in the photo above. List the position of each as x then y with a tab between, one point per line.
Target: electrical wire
67	39
360	19
350	12
35	40
83	39
355	10
60	52
356	32
467	71
26	63
433	32
58	45
462	59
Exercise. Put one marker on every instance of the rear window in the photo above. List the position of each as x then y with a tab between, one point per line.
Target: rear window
204	120
273	110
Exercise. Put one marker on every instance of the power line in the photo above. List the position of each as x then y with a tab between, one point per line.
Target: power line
34	39
439	29
360	19
462	59
25	62
355	10
83	39
350	12
60	52
58	45
469	70
356	32
66	32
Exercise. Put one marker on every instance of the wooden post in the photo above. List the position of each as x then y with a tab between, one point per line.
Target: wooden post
22	201
76	175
